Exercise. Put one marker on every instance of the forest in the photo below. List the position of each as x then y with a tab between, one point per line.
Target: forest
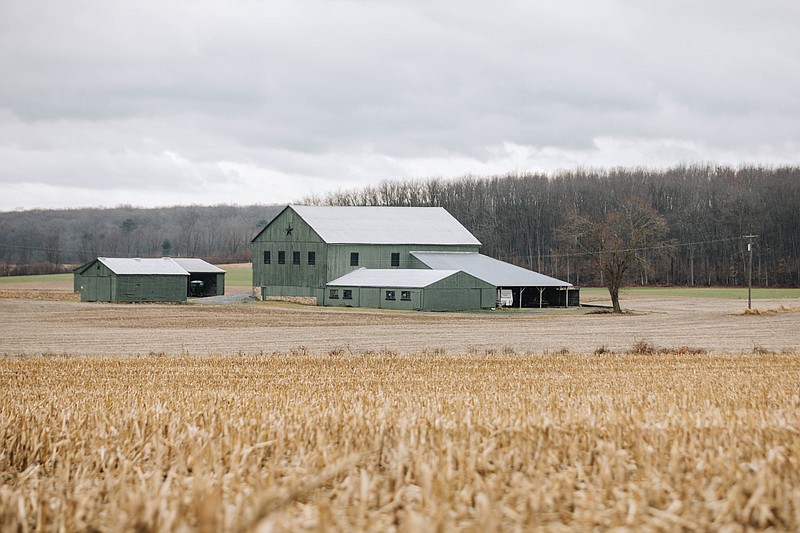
56	240
708	209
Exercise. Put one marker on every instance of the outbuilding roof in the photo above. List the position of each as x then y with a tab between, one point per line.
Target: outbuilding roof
197	266
391	277
498	273
163	266
385	225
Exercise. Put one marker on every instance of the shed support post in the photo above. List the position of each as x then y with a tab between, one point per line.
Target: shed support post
541	291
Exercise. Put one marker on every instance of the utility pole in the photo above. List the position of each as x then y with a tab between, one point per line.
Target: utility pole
750	268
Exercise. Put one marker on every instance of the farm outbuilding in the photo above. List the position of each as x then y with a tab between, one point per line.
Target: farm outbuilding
205	279
377	253
413	289
525	288
115	279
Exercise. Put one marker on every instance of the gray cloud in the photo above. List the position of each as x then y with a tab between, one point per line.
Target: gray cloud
307	96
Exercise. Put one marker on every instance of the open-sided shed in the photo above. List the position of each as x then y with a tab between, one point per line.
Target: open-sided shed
205	279
523	287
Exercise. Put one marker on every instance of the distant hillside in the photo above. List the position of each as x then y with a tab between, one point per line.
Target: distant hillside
42	240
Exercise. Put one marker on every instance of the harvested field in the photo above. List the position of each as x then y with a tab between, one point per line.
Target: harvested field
683	414
62	327
388	442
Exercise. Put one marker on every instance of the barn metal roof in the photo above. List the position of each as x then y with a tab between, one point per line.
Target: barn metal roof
498	273
164	266
391	277
194	265
385	225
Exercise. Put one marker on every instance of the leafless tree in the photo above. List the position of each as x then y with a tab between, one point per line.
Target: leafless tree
619	240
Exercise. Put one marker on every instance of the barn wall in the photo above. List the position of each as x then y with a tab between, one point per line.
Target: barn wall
459	292
452	299
380	256
370	297
275	290
375	297
289	279
96	283
151	288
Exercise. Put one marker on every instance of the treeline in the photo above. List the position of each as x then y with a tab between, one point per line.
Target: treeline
45	241
709	209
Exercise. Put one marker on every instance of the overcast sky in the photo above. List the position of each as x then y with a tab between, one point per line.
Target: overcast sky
159	102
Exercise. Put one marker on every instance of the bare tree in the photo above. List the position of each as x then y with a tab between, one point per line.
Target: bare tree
618	241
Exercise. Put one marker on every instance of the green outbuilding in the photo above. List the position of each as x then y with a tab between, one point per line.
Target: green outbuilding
410	289
116	279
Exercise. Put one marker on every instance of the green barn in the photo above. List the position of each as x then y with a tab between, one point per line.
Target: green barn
375	253
115	279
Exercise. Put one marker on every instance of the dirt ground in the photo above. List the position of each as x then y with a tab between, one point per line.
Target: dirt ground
36	320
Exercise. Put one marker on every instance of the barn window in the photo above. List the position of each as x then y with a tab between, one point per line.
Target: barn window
395	259
334	294
295	258
347	294
281	257
312	258
267	257
353	259
405	295
390	295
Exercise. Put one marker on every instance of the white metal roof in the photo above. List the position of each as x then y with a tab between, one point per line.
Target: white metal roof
385	225
391	277
498	273
125	265
194	265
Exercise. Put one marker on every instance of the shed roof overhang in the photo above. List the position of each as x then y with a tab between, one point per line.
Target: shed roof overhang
492	271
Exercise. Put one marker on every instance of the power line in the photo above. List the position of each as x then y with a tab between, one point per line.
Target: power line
660	246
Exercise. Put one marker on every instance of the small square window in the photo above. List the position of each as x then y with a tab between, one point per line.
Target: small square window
353	259
281	257
347	294
390	295
267	257
405	295
312	258
334	294
295	258
395	259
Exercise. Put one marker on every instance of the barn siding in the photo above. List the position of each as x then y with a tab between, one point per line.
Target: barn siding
379	256
96	283
458	292
151	288
452	299
289	279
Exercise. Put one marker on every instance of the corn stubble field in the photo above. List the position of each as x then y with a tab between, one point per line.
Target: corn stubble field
385	441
